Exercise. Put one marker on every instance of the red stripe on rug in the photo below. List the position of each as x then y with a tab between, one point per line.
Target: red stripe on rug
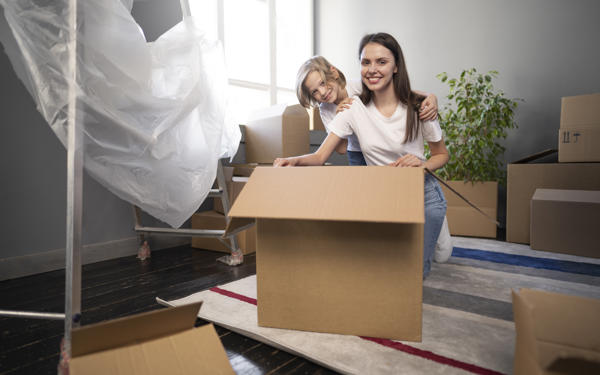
389	343
233	295
432	356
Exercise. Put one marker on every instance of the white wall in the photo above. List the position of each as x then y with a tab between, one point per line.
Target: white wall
543	49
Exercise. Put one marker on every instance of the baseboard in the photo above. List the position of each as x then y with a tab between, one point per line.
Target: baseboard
11	268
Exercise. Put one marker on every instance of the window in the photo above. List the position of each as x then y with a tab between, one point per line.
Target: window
265	41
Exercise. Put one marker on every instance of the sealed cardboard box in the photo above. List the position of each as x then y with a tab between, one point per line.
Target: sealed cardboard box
464	220
566	221
556	333
331	258
277	131
579	133
580	110
579	144
215	220
524	177
156	342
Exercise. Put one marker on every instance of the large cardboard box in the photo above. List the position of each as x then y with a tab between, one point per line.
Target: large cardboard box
277	131
215	220
566	221
579	133
524	178
158	342
464	220
556	333
339	249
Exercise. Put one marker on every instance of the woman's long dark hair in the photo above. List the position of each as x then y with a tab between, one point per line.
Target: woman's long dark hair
401	83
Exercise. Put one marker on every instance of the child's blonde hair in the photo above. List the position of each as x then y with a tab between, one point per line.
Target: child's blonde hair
315	64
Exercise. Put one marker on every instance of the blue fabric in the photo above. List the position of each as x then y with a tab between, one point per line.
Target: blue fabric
355	158
529	261
435	211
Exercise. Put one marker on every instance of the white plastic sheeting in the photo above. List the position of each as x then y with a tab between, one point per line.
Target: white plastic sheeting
152	114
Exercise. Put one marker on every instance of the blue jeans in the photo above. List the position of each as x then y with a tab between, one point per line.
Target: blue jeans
356	158
435	211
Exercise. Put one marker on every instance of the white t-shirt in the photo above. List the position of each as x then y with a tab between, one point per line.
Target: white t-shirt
381	137
327	111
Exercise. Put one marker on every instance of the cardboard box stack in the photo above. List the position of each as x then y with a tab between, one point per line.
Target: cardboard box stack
464	220
578	168
556	333
277	131
579	134
157	342
332	258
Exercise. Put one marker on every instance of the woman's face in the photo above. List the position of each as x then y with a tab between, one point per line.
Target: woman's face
321	91
377	67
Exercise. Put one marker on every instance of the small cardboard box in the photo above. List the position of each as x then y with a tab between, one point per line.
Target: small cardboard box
157	342
337	252
216	220
566	221
464	220
556	333
277	131
579	133
524	177
234	185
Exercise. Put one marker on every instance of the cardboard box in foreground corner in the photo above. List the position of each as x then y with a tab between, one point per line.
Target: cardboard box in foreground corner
155	342
566	221
524	177
332	258
556	333
277	131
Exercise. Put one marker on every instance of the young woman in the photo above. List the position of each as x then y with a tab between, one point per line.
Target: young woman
385	121
320	83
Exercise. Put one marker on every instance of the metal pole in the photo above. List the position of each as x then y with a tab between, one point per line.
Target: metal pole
32	315
74	192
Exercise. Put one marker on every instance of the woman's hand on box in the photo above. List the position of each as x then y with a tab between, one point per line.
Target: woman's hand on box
284	162
408	160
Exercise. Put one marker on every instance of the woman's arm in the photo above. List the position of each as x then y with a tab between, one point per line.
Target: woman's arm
439	155
318	157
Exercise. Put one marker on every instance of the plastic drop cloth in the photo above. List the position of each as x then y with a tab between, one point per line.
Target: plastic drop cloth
152	114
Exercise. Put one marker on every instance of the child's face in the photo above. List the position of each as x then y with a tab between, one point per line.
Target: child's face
321	91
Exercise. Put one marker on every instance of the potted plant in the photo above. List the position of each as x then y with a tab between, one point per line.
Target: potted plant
475	119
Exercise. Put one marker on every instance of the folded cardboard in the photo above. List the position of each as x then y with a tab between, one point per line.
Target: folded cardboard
215	220
525	177
556	333
234	185
579	133
158	342
566	221
277	131
463	219
332	257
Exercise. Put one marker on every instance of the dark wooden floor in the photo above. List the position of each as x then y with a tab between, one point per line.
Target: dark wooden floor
121	287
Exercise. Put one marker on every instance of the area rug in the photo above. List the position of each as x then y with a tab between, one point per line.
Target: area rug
467	313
